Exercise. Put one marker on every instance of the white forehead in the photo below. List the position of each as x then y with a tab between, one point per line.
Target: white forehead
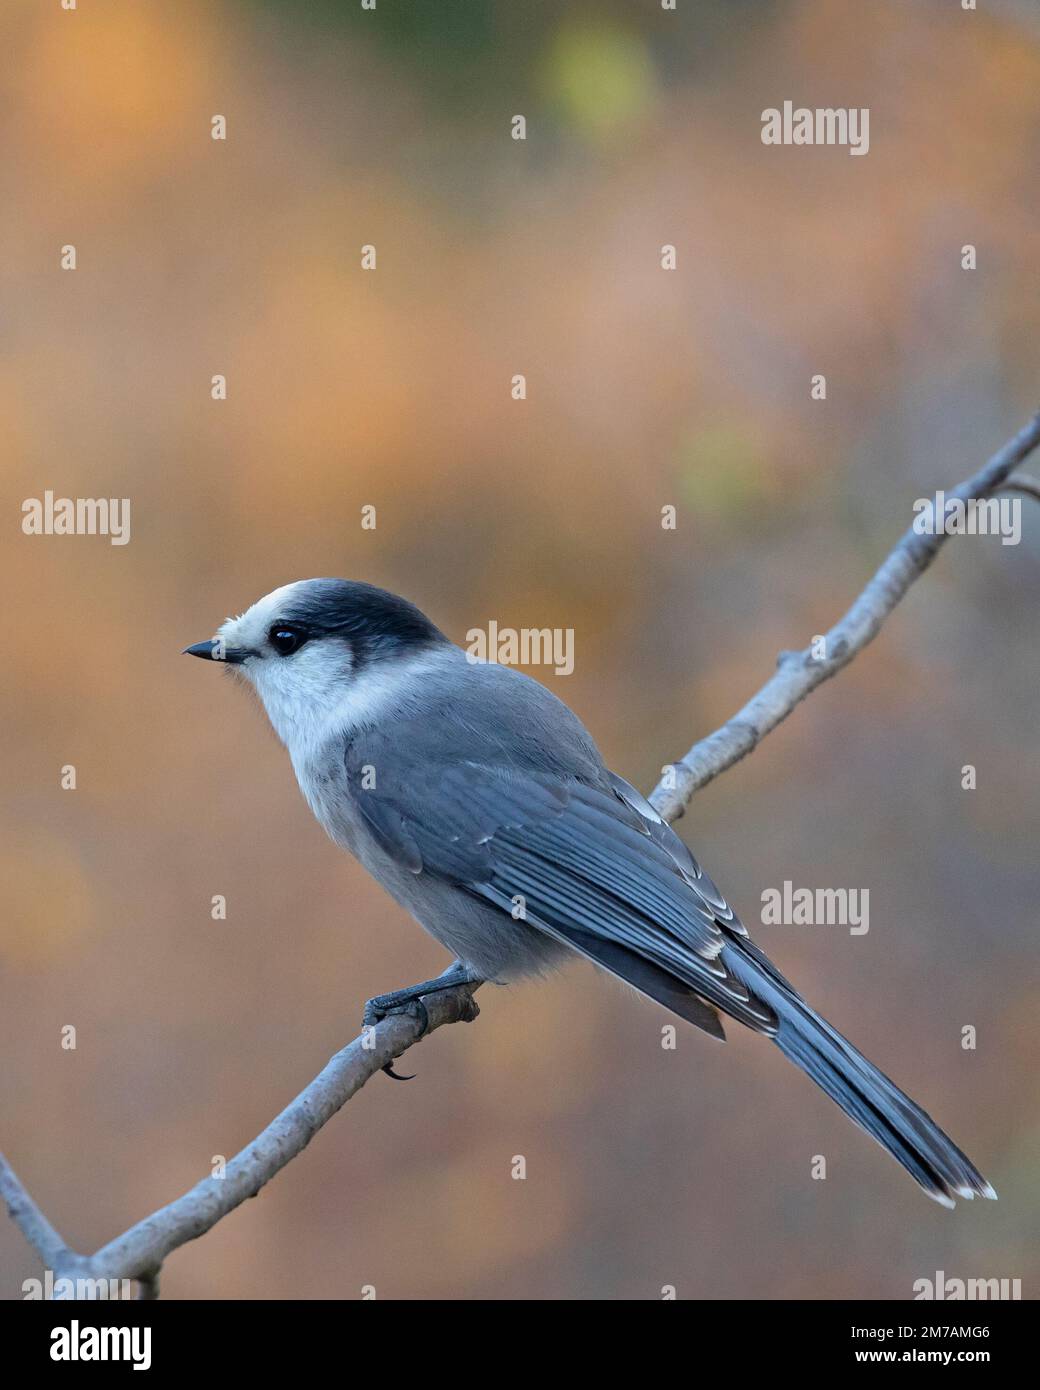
250	628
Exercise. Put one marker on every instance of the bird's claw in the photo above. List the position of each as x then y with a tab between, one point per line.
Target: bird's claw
384	1006
410	1002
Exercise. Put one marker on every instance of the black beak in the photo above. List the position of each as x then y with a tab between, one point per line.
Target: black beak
215	651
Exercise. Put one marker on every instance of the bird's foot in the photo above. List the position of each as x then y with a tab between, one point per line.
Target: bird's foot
409	1001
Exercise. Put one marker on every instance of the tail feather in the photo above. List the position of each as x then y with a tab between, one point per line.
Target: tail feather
866	1094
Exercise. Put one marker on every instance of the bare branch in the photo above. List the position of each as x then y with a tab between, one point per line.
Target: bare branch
30	1220
139	1252
1022	482
799	673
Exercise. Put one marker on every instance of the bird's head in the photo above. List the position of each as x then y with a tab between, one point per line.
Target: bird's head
320	649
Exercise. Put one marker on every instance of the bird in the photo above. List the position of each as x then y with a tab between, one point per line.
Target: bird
479	801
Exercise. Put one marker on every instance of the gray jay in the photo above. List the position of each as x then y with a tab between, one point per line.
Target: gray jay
480	803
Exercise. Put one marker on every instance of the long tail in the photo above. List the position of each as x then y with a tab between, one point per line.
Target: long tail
865	1094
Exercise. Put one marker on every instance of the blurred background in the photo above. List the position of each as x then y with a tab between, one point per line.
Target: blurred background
645	388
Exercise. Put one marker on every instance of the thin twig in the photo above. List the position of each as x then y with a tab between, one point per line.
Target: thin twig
799	673
1022	482
139	1252
29	1219
143	1247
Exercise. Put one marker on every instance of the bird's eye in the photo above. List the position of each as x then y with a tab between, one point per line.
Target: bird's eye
286	639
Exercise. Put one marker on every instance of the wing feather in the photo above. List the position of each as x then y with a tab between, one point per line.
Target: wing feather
592	868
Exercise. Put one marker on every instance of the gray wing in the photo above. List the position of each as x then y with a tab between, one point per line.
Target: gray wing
593	864
597	869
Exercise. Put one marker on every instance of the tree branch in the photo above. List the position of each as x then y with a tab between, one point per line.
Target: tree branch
29	1219
799	673
1022	482
139	1252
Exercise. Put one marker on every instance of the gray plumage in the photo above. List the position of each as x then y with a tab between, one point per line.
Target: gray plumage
479	801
